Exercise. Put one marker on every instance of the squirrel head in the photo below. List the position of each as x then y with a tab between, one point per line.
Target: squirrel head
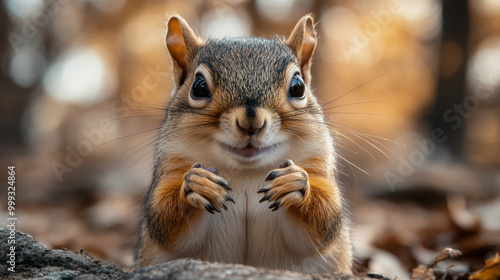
245	100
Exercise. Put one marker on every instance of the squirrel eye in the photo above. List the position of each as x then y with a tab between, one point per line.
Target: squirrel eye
297	88
199	89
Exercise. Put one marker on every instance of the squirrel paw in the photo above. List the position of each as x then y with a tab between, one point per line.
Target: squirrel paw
204	188
288	186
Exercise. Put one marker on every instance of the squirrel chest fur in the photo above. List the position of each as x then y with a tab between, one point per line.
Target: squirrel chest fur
245	162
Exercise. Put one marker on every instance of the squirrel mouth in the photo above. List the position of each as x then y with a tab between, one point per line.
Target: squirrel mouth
249	151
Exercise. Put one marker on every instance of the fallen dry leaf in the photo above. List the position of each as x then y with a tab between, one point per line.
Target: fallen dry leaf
422	272
446	253
491	270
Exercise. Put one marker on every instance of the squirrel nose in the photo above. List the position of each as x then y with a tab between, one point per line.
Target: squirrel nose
250	129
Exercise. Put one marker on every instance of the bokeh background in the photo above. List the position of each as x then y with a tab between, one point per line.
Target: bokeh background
411	87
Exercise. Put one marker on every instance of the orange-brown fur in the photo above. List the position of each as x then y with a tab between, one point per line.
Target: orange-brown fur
168	201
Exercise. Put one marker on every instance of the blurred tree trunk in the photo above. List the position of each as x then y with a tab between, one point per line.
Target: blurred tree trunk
13	99
452	75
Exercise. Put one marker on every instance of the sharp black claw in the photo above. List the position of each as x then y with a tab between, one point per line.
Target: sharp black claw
266	197
197	165
274	205
210	208
229	198
377	276
264	189
224	185
224	206
271	176
213	208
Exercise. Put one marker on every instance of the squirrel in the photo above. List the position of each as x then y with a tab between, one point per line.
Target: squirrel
245	163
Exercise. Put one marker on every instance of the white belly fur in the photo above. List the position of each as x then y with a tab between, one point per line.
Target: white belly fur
250	233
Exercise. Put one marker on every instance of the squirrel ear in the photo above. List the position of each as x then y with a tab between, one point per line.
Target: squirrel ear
303	42
181	43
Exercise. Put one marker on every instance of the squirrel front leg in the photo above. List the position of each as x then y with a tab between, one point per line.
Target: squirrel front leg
178	202
313	202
